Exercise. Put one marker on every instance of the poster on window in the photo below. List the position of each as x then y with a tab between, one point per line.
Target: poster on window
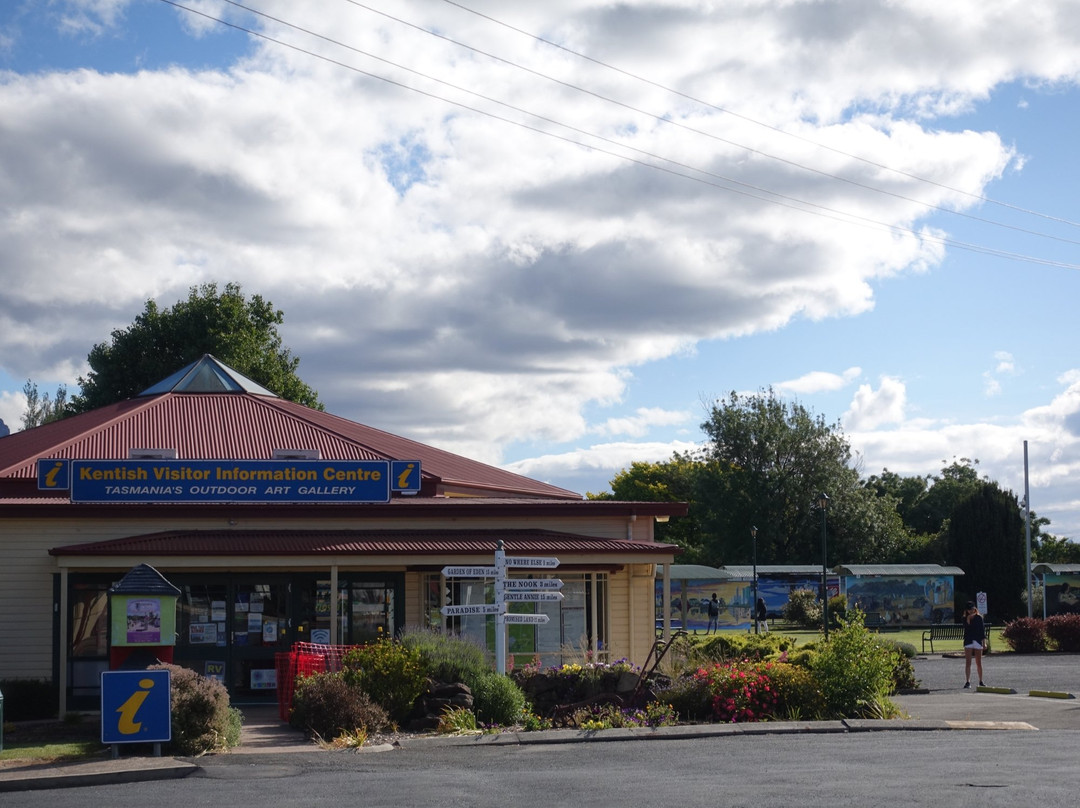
144	620
203	634
214	669
264	679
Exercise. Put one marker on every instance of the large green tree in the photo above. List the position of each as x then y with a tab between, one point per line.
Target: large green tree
683	478
985	538
242	332
775	458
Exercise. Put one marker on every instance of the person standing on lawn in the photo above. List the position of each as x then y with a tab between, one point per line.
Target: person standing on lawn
974	636
714	614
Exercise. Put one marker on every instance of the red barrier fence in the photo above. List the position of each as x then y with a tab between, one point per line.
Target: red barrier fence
304	659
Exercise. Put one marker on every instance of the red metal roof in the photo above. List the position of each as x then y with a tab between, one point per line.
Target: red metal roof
362	542
243	426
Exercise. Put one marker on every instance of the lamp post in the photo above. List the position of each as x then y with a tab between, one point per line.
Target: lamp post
823	504
753	606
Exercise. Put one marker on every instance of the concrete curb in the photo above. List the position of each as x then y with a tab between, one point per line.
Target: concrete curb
96	772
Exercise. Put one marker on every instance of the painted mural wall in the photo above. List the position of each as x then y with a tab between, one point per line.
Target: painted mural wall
735	599
903	600
1062	594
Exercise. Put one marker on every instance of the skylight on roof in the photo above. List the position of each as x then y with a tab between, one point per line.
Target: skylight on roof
207	375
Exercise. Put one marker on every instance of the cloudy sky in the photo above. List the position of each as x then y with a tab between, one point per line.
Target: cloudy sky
547	235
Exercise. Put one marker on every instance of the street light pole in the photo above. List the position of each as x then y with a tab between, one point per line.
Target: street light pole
753	606
823	504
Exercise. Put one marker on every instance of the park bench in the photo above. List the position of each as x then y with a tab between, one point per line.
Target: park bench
950	632
875	622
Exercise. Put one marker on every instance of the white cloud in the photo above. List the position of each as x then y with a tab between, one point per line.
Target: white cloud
476	284
1006	366
12	407
592	468
871	409
1052	432
644	420
819	381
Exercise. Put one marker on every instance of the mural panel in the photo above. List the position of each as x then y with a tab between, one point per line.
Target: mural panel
903	600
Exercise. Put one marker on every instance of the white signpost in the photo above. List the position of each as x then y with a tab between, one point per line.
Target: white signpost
469	572
532	596
534	562
512	584
534	619
470	608
506	591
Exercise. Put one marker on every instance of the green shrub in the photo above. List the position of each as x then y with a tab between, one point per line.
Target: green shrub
202	719
801	658
1025	635
447	658
29	699
688	696
497	699
838	608
903	673
730	646
803	609
389	672
854	669
798	696
1064	631
324	705
456	720
905	648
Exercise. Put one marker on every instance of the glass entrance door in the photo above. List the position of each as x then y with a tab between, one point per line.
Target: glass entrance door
368	607
231	628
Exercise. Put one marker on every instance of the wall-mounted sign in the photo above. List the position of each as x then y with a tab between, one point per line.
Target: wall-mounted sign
261	481
405	476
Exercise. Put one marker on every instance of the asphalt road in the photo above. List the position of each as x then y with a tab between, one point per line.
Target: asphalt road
898	765
1023	673
957	768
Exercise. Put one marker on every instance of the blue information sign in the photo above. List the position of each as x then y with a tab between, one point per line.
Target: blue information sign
264	481
135	707
405	475
54	474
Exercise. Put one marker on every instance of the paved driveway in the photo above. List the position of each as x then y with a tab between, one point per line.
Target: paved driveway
943	677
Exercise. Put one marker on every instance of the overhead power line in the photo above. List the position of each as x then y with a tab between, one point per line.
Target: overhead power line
748	119
746	189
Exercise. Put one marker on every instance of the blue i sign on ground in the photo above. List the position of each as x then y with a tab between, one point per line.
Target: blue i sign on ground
135	707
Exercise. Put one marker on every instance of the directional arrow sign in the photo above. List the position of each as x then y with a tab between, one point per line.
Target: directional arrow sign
532	561
469	572
478	608
525	618
532	583
533	596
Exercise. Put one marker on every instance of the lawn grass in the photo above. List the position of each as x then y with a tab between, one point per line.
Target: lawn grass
48	741
47	752
911	636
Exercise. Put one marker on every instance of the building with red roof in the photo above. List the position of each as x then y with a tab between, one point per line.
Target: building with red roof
279	524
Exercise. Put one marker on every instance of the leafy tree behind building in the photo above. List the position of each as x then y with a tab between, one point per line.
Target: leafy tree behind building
242	332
